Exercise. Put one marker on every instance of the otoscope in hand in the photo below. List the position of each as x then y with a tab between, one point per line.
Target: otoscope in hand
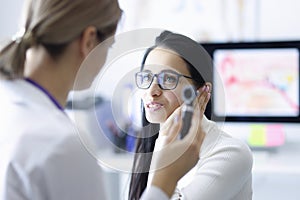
189	94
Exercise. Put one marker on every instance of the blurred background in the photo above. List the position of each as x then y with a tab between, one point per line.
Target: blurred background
276	170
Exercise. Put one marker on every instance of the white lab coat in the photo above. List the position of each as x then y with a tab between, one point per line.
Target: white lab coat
41	154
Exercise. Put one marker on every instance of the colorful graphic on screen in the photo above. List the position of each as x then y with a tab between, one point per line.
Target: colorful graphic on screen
257	82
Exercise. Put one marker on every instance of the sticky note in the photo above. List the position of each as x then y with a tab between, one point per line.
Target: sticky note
257	135
275	135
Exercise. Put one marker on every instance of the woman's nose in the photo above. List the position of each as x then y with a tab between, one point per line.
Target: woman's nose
154	88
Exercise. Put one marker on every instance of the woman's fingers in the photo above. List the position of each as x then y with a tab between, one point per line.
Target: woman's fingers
195	132
174	130
173	118
203	98
170	129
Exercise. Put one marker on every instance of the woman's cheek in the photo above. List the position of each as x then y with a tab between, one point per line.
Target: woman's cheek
174	102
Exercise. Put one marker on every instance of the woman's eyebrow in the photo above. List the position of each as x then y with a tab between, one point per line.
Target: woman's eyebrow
146	70
164	70
169	70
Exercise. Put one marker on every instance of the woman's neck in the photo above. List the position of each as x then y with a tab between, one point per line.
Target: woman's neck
53	76
53	85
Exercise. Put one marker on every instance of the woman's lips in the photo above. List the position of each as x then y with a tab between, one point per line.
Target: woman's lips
154	106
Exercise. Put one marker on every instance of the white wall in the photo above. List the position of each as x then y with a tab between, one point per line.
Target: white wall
211	20
10	13
279	19
218	20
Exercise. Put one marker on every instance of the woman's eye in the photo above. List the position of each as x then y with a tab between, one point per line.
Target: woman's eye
146	77
170	79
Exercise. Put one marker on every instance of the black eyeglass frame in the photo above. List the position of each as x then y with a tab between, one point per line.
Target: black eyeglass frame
157	76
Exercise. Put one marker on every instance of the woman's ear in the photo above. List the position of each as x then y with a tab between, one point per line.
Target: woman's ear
88	40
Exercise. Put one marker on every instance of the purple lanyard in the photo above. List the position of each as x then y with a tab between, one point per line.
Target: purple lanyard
46	92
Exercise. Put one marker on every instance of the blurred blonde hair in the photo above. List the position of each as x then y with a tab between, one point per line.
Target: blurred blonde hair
55	23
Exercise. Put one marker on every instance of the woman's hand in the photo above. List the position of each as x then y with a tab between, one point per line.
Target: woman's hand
177	157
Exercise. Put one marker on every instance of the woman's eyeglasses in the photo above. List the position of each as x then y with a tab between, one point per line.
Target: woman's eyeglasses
167	80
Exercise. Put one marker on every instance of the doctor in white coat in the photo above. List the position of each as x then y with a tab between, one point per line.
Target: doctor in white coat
41	154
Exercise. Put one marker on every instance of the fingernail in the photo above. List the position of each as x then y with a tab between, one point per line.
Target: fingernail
207	88
203	88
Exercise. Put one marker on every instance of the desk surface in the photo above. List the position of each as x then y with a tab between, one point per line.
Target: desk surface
276	173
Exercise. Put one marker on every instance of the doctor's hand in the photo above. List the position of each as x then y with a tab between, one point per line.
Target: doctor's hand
177	157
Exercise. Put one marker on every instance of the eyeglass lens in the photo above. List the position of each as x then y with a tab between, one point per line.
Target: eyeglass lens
166	80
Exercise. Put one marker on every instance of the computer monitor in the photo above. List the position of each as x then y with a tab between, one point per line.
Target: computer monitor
260	81
256	90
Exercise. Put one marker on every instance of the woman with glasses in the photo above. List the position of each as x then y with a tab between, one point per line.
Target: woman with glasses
223	171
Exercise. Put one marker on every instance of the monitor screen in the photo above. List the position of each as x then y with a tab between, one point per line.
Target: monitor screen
256	81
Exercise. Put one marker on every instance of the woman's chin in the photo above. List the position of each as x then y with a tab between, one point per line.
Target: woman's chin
155	119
